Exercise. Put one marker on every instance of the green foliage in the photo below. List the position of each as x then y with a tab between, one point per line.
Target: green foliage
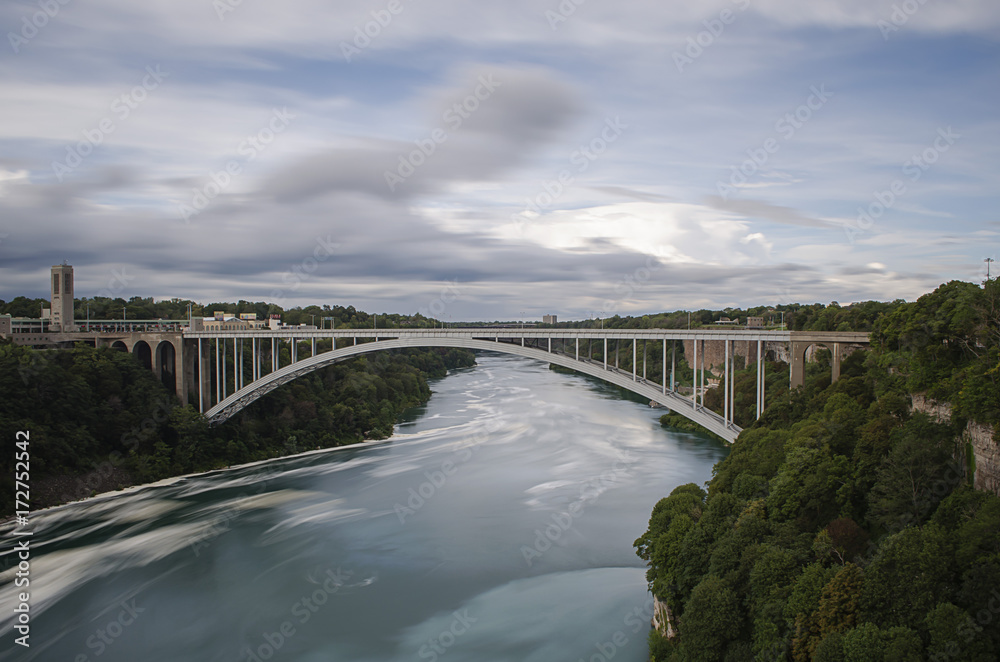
841	526
710	621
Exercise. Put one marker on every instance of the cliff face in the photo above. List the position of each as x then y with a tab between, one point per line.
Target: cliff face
985	448
662	620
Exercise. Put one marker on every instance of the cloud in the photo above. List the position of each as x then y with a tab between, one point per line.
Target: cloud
490	120
767	212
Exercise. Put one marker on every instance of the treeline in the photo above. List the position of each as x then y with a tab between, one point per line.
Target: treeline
842	526
99	420
105	308
796	316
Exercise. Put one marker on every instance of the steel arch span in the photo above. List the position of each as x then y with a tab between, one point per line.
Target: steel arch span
706	418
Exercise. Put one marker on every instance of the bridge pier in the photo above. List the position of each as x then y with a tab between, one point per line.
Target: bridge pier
798	368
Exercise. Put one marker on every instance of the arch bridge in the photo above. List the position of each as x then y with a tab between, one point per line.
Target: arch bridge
260	352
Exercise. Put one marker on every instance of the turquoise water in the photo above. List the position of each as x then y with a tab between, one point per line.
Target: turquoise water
496	524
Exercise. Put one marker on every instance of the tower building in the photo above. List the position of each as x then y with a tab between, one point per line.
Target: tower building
62	299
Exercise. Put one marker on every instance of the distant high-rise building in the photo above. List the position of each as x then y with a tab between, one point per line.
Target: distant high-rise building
548	319
62	299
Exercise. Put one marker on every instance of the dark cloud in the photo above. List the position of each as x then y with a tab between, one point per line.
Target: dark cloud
632	194
516	113
766	211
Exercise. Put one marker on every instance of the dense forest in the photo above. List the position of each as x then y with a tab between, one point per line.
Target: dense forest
99	420
843	526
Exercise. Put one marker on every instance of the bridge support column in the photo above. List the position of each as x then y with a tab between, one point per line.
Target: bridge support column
835	362
550	344
694	377
702	389
225	379
725	385
760	380
218	382
633	358
605	353
643	359
732	388
577	349
797	376
204	379
663	370
673	361
314	345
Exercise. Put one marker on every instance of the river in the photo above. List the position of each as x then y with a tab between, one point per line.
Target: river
496	524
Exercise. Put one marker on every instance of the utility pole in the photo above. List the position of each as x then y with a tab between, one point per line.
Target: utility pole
988	261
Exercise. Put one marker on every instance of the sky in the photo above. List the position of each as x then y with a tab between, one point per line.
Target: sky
482	161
